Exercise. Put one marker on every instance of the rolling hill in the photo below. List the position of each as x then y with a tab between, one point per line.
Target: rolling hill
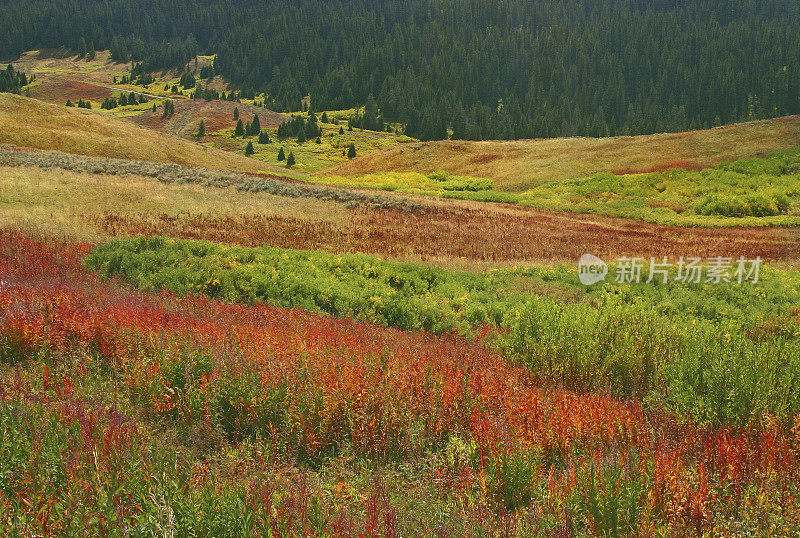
522	164
34	124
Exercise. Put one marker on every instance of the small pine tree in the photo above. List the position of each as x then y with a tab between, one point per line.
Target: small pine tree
239	131
263	137
349	126
249	150
344	153
351	151
256	125
301	138
201	131
324	118
281	155
341	130
318	140
236	113
169	109
290	161
69	103
154	108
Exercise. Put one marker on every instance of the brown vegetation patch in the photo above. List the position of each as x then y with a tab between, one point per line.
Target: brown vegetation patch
459	233
217	115
54	89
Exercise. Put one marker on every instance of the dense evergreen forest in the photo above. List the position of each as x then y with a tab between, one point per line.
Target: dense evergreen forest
11	81
485	69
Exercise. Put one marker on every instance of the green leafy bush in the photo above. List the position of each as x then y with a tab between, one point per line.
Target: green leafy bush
755	205
402	295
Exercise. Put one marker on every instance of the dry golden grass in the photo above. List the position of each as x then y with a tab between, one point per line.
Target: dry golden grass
451	233
522	164
35	124
59	202
101	70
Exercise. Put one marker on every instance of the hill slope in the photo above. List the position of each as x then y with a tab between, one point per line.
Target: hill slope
216	115
518	165
35	124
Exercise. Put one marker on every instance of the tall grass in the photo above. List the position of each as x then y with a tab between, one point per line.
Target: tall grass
710	371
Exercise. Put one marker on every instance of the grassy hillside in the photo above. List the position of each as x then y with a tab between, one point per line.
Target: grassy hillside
523	164
35	124
451	233
217	115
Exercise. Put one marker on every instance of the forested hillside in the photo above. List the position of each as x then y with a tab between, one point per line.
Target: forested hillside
485	70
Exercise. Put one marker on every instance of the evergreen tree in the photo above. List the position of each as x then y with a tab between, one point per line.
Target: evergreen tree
324	118
507	69
249	150
256	125
201	131
341	130
351	151
239	131
169	109
69	103
263	137
290	161
236	113
281	155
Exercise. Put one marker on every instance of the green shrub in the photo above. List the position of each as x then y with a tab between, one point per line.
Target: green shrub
607	345
612	497
755	205
440	175
513	479
406	296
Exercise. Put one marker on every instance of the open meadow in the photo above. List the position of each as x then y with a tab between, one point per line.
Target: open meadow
400	342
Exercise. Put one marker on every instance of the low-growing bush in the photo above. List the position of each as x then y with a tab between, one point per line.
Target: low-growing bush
402	295
710	371
607	345
755	205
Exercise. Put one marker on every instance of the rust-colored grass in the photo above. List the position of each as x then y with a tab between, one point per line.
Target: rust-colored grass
522	164
451	233
35	124
217	115
56	90
464	236
95	207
